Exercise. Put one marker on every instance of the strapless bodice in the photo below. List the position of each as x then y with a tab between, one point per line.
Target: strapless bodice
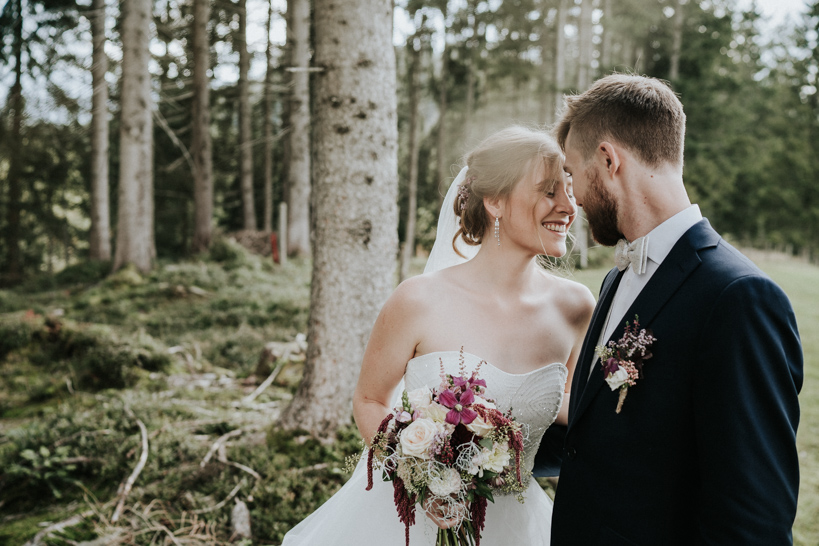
534	397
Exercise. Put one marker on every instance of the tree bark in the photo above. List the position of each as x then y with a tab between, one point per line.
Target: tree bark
583	83
560	53
355	213
201	147
472	46
13	269
441	164
267	127
585	46
245	136
100	236
135	231
608	33
408	249
298	173
442	91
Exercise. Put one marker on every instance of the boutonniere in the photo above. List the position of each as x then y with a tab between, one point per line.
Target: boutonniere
622	360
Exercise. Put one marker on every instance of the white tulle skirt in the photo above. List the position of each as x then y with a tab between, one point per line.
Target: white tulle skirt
355	517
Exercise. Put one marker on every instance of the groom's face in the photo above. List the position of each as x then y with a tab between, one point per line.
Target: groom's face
592	195
601	210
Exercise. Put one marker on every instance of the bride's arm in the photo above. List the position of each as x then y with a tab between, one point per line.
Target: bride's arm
584	307
392	343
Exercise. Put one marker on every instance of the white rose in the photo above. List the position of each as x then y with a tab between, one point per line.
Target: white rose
498	458
617	379
436	412
420	398
479	427
417	437
446	483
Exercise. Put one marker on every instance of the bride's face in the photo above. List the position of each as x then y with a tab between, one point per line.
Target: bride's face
539	211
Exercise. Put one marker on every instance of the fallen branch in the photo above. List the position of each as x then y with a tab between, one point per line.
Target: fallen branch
218	443
267	382
219	505
143	458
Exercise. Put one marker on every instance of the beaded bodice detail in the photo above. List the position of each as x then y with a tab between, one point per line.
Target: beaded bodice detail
534	397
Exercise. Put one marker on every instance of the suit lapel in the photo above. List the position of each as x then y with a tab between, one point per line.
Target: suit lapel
676	267
601	311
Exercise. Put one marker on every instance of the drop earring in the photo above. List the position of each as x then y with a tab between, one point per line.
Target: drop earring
497	230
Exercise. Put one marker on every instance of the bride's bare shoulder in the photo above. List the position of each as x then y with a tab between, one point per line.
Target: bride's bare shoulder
574	298
425	289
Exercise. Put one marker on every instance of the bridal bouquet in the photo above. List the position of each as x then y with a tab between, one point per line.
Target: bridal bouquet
449	448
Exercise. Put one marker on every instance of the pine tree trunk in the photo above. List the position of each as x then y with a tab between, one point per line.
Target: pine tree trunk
245	136
560	53
201	148
135	232
583	83
13	269
355	216
676	46
471	51
100	235
298	177
441	148
606	45
585	46
267	127
408	250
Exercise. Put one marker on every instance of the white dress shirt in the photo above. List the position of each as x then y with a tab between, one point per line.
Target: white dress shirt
661	240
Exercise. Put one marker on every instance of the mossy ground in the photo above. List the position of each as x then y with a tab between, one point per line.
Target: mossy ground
83	356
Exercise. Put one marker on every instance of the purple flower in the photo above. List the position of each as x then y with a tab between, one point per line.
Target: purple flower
611	365
475	382
459	382
459	411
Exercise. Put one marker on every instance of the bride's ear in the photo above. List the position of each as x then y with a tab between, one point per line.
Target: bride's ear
493	205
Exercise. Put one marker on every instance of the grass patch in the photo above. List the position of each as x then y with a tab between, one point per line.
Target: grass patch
62	453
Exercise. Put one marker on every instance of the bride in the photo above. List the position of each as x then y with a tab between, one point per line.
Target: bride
482	290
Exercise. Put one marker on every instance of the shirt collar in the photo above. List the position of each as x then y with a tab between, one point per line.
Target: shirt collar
663	237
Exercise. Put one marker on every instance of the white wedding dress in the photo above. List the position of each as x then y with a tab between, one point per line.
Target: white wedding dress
355	516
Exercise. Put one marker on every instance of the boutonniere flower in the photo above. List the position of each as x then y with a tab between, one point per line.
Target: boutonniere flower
622	360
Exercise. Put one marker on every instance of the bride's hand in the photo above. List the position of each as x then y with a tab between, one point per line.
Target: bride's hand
444	514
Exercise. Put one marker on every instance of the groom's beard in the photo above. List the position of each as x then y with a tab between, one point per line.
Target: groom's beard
601	211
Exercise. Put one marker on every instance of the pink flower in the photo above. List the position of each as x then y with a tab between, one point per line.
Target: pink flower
459	411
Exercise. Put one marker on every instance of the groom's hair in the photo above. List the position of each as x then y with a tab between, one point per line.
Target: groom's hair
640	113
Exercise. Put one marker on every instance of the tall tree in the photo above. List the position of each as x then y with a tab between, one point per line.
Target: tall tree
585	46
414	47
298	172
267	125
356	217
100	236
13	13
676	36
201	151
135	229
560	52
245	133
443	82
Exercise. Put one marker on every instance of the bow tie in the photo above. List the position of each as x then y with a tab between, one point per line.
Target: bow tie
634	253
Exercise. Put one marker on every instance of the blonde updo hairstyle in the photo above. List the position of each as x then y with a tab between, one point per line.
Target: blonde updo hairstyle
495	166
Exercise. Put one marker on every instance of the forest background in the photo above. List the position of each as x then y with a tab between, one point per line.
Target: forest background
146	148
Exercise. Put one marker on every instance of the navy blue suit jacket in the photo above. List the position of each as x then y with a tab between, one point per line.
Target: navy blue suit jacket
704	450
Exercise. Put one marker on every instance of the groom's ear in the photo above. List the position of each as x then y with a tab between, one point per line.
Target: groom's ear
608	158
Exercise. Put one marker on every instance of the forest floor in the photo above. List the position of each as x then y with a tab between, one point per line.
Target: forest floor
134	409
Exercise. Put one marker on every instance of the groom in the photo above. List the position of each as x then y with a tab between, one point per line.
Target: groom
703	448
